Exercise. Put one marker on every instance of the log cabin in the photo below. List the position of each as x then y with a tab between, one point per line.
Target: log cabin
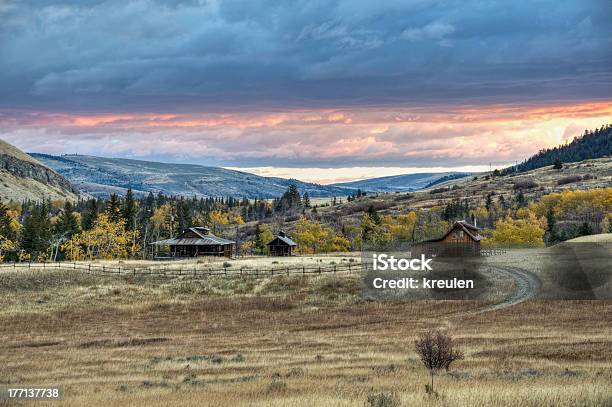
197	241
461	240
282	245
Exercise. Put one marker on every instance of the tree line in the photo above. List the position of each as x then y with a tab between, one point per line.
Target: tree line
592	144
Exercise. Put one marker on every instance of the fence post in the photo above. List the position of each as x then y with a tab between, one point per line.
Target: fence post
303	269
334	269
89	268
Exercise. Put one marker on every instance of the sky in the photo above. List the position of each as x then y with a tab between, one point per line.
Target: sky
323	91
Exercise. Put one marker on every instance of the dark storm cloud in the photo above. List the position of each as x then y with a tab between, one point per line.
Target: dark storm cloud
219	55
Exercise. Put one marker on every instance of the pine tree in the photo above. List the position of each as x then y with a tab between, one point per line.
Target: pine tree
585	229
37	231
520	200
129	210
90	214
551	221
113	208
373	214
67	224
306	200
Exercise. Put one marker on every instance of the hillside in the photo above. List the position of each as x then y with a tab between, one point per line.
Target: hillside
102	176
533	184
593	144
400	183
22	177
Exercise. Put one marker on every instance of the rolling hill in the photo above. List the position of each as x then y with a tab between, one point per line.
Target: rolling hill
592	144
100	176
22	177
401	183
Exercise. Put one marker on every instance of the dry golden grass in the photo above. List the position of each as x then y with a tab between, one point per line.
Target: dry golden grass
288	341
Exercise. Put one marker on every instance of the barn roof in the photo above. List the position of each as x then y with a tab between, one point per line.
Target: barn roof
284	239
471	230
205	239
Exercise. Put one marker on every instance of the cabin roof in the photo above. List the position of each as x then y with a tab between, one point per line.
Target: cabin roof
285	239
205	239
471	230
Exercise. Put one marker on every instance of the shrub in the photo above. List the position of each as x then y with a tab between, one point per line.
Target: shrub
383	399
569	179
277	386
439	190
586	177
524	184
437	351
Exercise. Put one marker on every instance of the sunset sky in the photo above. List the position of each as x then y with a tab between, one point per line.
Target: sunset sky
317	90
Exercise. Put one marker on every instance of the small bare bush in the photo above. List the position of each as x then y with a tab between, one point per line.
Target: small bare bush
437	351
524	184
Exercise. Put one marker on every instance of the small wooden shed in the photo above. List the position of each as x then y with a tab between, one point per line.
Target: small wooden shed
282	245
198	241
461	240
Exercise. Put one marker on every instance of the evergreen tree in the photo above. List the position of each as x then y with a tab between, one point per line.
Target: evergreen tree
551	221
306	200
585	229
488	202
113	208
291	200
520	200
373	213
558	165
129	211
183	215
90	214
67	224
37	231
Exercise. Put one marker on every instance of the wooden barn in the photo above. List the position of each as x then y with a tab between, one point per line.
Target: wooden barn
461	240
198	241
282	245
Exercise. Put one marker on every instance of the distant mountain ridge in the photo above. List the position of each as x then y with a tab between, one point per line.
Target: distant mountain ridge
101	176
401	183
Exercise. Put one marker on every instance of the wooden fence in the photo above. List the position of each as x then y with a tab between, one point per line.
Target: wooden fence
165	271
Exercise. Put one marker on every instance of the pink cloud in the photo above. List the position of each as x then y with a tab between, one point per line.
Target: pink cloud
415	135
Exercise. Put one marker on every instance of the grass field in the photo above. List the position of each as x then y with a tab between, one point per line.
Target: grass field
289	341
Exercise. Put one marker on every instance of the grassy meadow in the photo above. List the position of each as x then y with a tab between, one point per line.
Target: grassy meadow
290	341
